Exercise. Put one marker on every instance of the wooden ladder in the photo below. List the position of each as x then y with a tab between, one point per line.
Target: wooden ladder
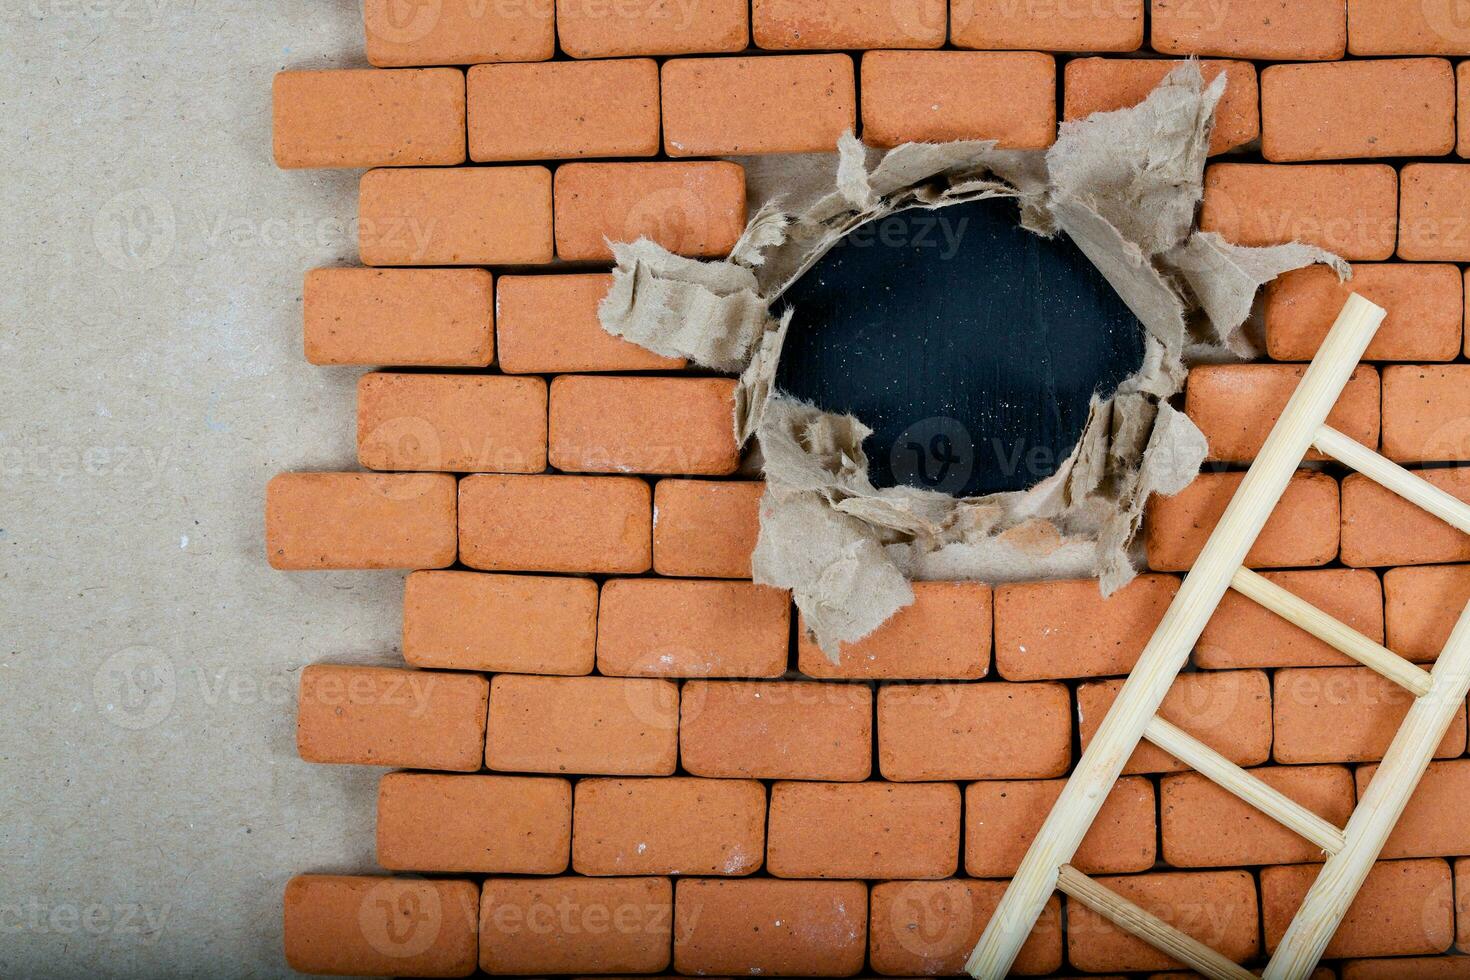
1350	851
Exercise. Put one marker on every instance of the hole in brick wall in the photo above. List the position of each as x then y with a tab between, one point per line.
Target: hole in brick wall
969	345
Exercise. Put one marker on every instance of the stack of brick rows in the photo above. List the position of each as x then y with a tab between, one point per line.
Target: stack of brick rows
614	753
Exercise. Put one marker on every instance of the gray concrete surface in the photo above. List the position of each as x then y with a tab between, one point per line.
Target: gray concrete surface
151	380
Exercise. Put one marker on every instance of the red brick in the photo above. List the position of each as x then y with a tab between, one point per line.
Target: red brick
1277	30
457	32
1002	818
418	317
1462	903
382	716
693	209
368	118
944	634
1409	968
360	520
649	627
1404	907
1356	109
643	425
504	824
771	104
610	726
864	830
705	528
1344	714
1434	216
1230	711
760	925
677	825
455	216
1433	824
1205	826
1350	209
549	324
563	109
776	730
937	96
928	928
1381	528
1393	27
1424	302
456	422
1104	84
1054	630
1426	412
1115	26
1422	606
376	926
524	624
556	524
1462	109
1216	907
1243	633
1236	405
835	25
598	29
973	731
575	925
1302	530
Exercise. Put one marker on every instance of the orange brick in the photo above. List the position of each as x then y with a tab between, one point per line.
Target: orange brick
368	118
1216	907
457	422
1404	907
563	109
375	926
650	627
1422	606
1277	30
575	925
1462	903
1205	826
612	726
1002	818
1381	528
643	425
1115	26
412	317
937	96
1462	109
945	634
1343	714
677	825
705	528
1104	84
598	29
973	731
1053	630
1302	530
835	25
1434	218
1243	633
360	520
1433	824
504	824
1228	710
1426	412
693	209
864	830
525	624
1350	209
772	104
556	524
382	716
455	216
776	730
549	324
1235	406
1393	27
1425	307
1408	968
1356	109
457	32
760	925
928	928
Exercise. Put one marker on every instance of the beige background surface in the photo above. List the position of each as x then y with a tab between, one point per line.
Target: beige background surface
151	380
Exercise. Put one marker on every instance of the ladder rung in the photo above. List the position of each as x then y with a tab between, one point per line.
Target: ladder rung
1296	610
1227	775
1391	476
1148	927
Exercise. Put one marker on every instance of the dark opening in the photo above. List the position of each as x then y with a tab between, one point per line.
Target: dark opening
969	345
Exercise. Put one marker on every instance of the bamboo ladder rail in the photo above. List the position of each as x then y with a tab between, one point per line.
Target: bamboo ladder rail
1133	717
